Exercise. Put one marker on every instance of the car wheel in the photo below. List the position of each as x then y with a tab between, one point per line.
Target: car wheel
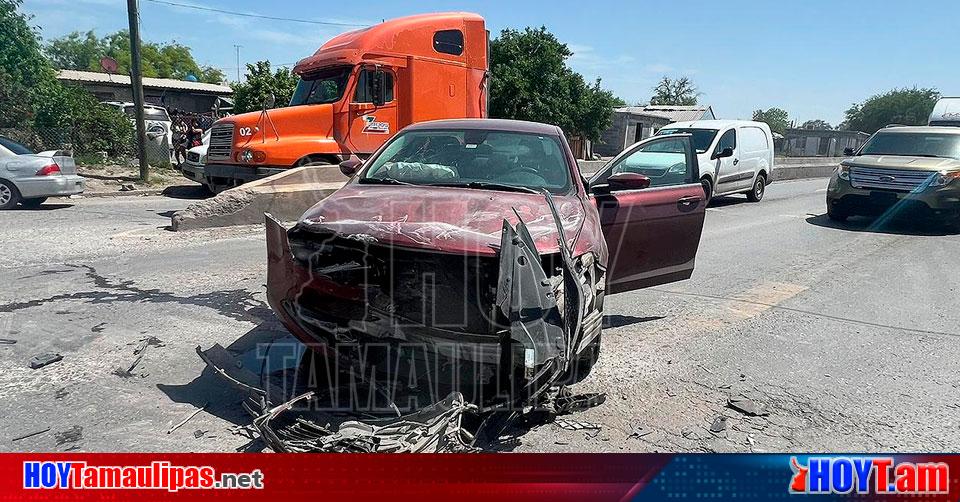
837	214
707	190
33	202
9	195
759	187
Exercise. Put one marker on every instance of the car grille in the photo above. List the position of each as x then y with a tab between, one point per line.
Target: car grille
889	179
221	142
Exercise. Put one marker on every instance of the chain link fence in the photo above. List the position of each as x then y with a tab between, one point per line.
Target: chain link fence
158	145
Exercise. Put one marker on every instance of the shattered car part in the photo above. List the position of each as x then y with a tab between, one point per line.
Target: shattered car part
575	425
41	360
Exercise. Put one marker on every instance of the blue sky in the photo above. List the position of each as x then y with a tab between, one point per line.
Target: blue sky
811	57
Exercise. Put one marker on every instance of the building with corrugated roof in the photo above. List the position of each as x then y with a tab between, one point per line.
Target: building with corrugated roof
174	95
634	123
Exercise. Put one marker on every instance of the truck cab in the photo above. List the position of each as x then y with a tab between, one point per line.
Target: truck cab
354	93
946	112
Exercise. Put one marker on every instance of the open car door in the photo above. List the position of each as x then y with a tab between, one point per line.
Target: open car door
652	207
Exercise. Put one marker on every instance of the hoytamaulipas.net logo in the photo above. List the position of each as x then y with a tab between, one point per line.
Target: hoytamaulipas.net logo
156	476
876	475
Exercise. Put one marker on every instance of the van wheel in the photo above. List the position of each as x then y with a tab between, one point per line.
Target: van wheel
759	187
707	190
9	195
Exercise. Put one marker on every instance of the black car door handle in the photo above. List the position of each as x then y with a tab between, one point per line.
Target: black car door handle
736	161
688	201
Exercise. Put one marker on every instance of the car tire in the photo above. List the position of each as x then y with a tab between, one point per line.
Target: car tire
33	201
9	195
837	214
707	190
759	187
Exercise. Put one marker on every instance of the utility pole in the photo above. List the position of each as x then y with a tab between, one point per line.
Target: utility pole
136	81
237	47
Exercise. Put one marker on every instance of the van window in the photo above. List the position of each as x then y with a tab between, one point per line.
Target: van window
364	92
448	42
728	140
753	139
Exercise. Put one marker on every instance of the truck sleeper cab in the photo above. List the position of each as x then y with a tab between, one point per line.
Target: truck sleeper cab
354	93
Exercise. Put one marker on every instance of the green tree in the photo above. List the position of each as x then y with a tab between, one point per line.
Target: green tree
679	92
898	106
777	118
261	82
82	51
532	81
816	124
22	65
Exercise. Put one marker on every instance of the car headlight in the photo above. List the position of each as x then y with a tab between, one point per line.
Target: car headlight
843	172
944	177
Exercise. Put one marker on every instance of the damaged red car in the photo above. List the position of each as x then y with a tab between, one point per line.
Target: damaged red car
481	239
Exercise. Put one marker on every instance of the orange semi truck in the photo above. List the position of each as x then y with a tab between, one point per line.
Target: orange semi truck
355	92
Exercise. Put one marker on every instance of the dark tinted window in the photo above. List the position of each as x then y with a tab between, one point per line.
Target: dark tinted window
448	42
14	147
728	140
364	92
913	144
325	86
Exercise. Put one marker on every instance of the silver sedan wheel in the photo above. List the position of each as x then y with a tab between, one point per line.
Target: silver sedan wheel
5	194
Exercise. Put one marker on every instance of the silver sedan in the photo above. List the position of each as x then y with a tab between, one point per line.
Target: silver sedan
28	178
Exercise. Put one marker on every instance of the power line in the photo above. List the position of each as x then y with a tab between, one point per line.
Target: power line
245	14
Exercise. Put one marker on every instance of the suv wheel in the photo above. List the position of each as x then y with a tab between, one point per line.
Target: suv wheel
759	187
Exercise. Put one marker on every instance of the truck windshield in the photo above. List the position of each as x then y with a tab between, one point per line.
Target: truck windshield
324	86
913	144
702	138
497	160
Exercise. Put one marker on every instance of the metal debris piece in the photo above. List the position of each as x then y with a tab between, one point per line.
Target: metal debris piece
185	420
42	360
61	393
748	406
575	425
71	435
199	433
31	434
567	402
436	428
7	341
637	432
719	424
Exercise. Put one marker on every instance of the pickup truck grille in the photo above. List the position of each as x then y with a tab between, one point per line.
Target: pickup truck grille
889	179
221	142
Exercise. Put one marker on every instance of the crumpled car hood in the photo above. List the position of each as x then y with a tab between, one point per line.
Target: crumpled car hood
453	220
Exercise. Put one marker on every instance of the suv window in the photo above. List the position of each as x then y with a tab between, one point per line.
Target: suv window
448	42
364	92
728	140
913	144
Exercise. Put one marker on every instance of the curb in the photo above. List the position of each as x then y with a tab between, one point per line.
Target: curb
128	193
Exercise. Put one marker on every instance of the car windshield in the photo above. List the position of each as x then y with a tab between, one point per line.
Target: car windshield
928	144
702	138
325	86
499	160
149	113
14	147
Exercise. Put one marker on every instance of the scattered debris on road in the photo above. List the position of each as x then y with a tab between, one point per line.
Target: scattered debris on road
185	420
71	435
31	434
61	393
719	424
41	360
575	425
7	341
748	406
140	351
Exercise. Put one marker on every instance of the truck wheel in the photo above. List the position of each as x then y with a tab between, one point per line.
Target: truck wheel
759	187
707	190
9	195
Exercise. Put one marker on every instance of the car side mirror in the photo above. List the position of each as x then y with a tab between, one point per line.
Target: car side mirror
377	88
350	166
722	154
627	181
848	151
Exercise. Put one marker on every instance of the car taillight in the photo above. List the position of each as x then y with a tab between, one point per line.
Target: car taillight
49	170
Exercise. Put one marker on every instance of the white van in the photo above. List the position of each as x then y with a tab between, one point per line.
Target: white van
735	156
946	113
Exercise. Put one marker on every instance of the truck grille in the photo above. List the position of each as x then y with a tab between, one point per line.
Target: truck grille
221	142
889	179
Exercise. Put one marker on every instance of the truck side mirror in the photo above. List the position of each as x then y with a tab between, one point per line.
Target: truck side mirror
377	88
848	151
722	154
350	166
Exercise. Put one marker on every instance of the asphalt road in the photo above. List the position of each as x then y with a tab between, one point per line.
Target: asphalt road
847	334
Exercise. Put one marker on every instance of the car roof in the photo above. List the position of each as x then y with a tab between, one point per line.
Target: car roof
713	124
506	125
922	129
